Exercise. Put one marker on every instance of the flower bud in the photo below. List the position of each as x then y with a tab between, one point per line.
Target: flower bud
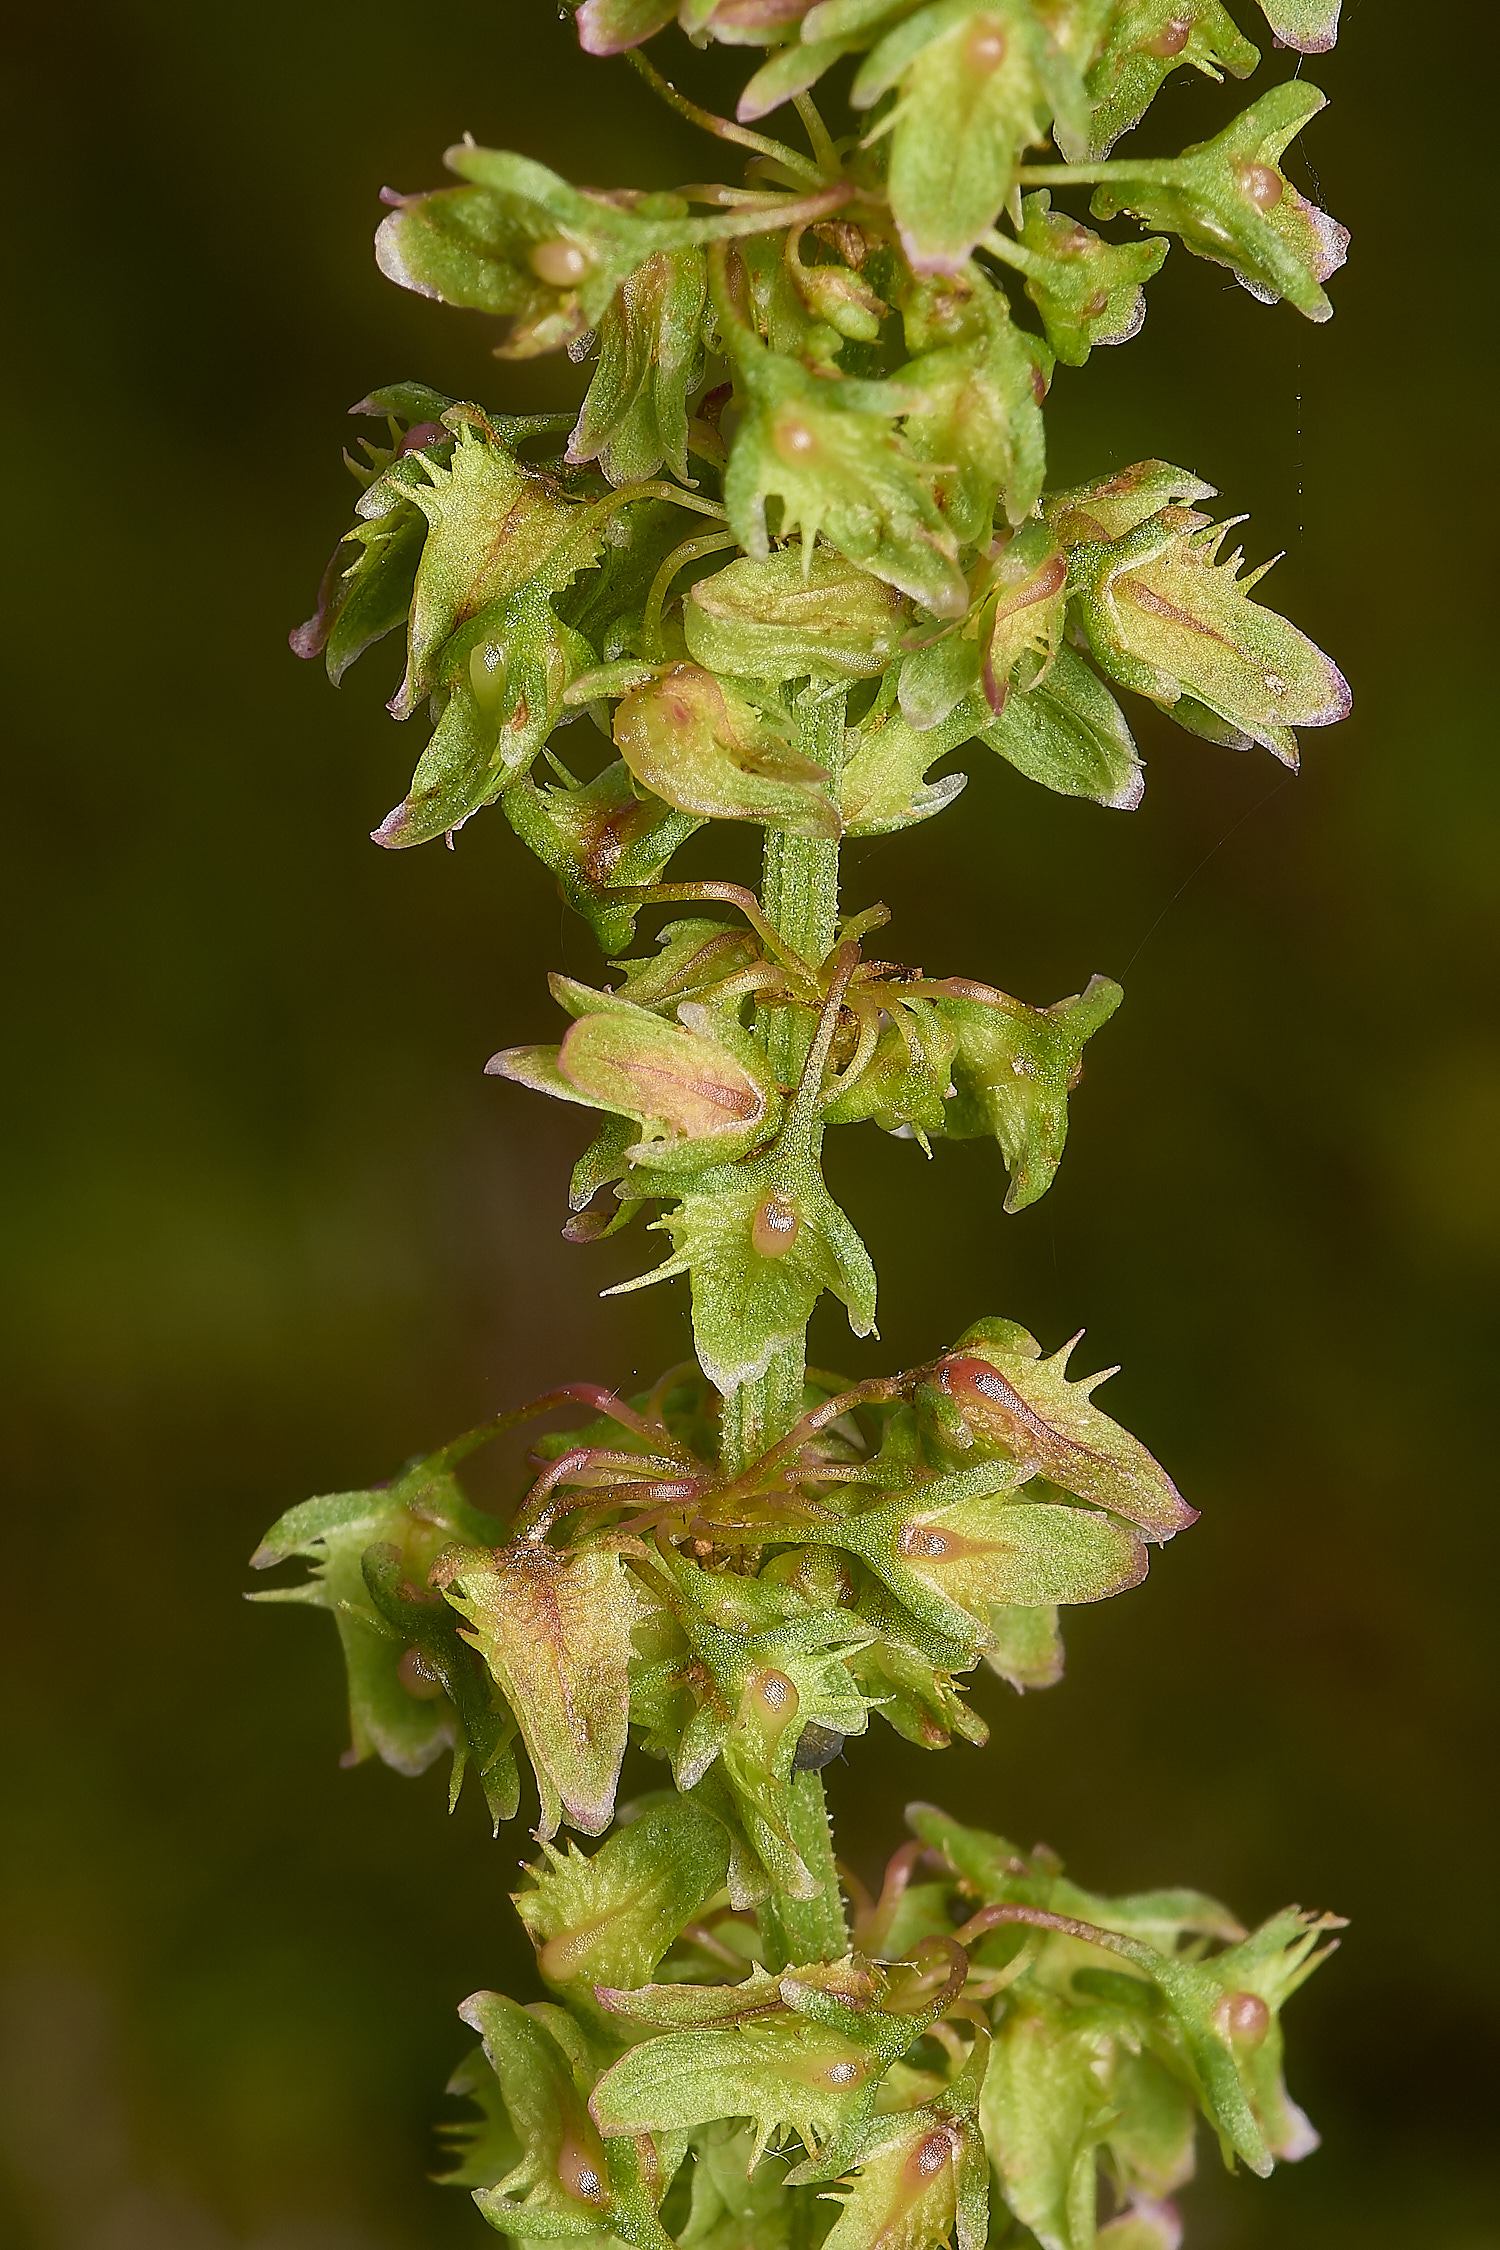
838	296
414	1690
1311	26
679	1082
748	1305
782	619
564	2170
666	1076
828	452
1117	504
554	1630
603	836
1020	619
520	242
905	1083
609	1919
979	420
749	23
608	27
1068	733
1145	2225
1024	1407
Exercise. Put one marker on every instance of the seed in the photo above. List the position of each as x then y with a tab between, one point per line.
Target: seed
562	265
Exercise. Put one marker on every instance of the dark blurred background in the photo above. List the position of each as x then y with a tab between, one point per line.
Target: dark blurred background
270	1230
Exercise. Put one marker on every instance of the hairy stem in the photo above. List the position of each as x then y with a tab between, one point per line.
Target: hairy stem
757	1413
807	1929
800	890
800	896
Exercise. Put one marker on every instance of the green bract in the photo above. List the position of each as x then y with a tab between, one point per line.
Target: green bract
707	750
789	616
791	555
977	409
829	455
1164	616
520	242
554	1631
1013	1070
1147	40
1229	201
1088	291
650	358
976	82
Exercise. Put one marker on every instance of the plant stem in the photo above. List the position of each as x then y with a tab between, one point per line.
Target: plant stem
800	898
1084	175
757	1413
807	1929
824	152
800	888
721	127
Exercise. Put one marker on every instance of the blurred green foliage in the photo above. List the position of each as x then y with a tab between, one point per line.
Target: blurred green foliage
270	1231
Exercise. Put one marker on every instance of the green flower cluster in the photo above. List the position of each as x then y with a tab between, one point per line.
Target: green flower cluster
722	2049
743	1621
836	370
974	2059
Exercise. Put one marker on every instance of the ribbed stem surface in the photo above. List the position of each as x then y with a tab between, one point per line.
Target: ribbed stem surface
800	895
